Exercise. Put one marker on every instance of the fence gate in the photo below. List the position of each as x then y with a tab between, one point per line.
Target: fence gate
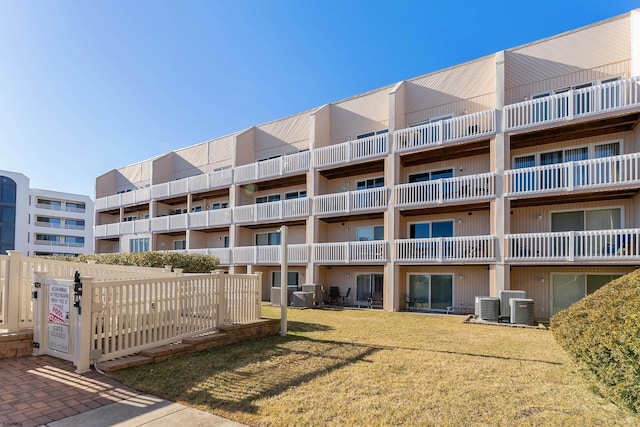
56	318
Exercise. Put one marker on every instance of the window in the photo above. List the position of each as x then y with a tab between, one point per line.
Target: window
431	291
368	134
595	219
370	183
129	218
196	209
226	241
48	222
179	245
139	245
267	199
75	224
369	288
295	195
423	230
431	176
571	288
268	239
48	238
74	241
220	205
49	204
292	279
75	207
370	233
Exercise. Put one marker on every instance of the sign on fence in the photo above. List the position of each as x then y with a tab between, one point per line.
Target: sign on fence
59	339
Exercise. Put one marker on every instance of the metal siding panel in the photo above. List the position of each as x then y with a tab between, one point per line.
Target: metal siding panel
594	46
356	116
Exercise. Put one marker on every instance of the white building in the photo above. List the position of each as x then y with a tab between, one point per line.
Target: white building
43	222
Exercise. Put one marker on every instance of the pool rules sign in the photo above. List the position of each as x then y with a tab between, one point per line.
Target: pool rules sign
59	299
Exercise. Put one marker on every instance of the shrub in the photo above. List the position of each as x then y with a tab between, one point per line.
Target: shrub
602	333
191	263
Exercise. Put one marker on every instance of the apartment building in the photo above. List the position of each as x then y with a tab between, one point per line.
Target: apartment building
43	222
518	170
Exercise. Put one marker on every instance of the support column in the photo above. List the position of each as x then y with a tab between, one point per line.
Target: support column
392	281
500	207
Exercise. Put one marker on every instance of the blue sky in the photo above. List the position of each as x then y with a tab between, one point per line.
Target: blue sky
89	86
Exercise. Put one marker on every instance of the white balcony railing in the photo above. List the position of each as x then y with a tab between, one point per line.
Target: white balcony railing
470	187
371	251
351	201
283	165
446	249
212	218
297	254
595	245
602	98
216	179
593	173
359	149
273	211
456	129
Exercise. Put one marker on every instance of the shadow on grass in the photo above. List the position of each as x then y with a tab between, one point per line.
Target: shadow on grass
233	378
294	326
463	353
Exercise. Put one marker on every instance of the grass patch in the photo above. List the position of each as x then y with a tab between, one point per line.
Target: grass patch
359	367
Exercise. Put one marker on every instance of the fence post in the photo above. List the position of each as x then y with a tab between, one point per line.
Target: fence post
12	289
219	283
259	296
39	319
82	341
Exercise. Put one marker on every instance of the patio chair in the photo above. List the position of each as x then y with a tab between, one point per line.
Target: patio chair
334	294
345	297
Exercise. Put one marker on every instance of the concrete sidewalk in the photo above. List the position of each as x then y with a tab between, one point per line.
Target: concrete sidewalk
144	410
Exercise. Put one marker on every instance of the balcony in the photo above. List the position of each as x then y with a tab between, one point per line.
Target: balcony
287	164
372	147
130	198
210	181
603	98
209	219
467	127
122	228
604	173
170	223
223	254
568	246
446	249
372	251
297	254
351	201
273	211
458	189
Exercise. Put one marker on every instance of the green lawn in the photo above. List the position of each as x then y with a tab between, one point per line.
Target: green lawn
361	367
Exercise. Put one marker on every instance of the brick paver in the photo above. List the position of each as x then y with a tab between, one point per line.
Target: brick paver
39	390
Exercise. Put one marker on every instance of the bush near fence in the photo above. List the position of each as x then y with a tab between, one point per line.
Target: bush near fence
190	263
602	333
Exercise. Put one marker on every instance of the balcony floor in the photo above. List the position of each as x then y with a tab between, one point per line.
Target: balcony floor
445	152
587	127
561	197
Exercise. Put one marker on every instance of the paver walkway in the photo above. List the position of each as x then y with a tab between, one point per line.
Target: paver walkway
39	390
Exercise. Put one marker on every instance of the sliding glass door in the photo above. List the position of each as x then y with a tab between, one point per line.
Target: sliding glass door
431	291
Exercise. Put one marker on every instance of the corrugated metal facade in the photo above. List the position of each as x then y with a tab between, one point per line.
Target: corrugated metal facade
584	55
360	115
